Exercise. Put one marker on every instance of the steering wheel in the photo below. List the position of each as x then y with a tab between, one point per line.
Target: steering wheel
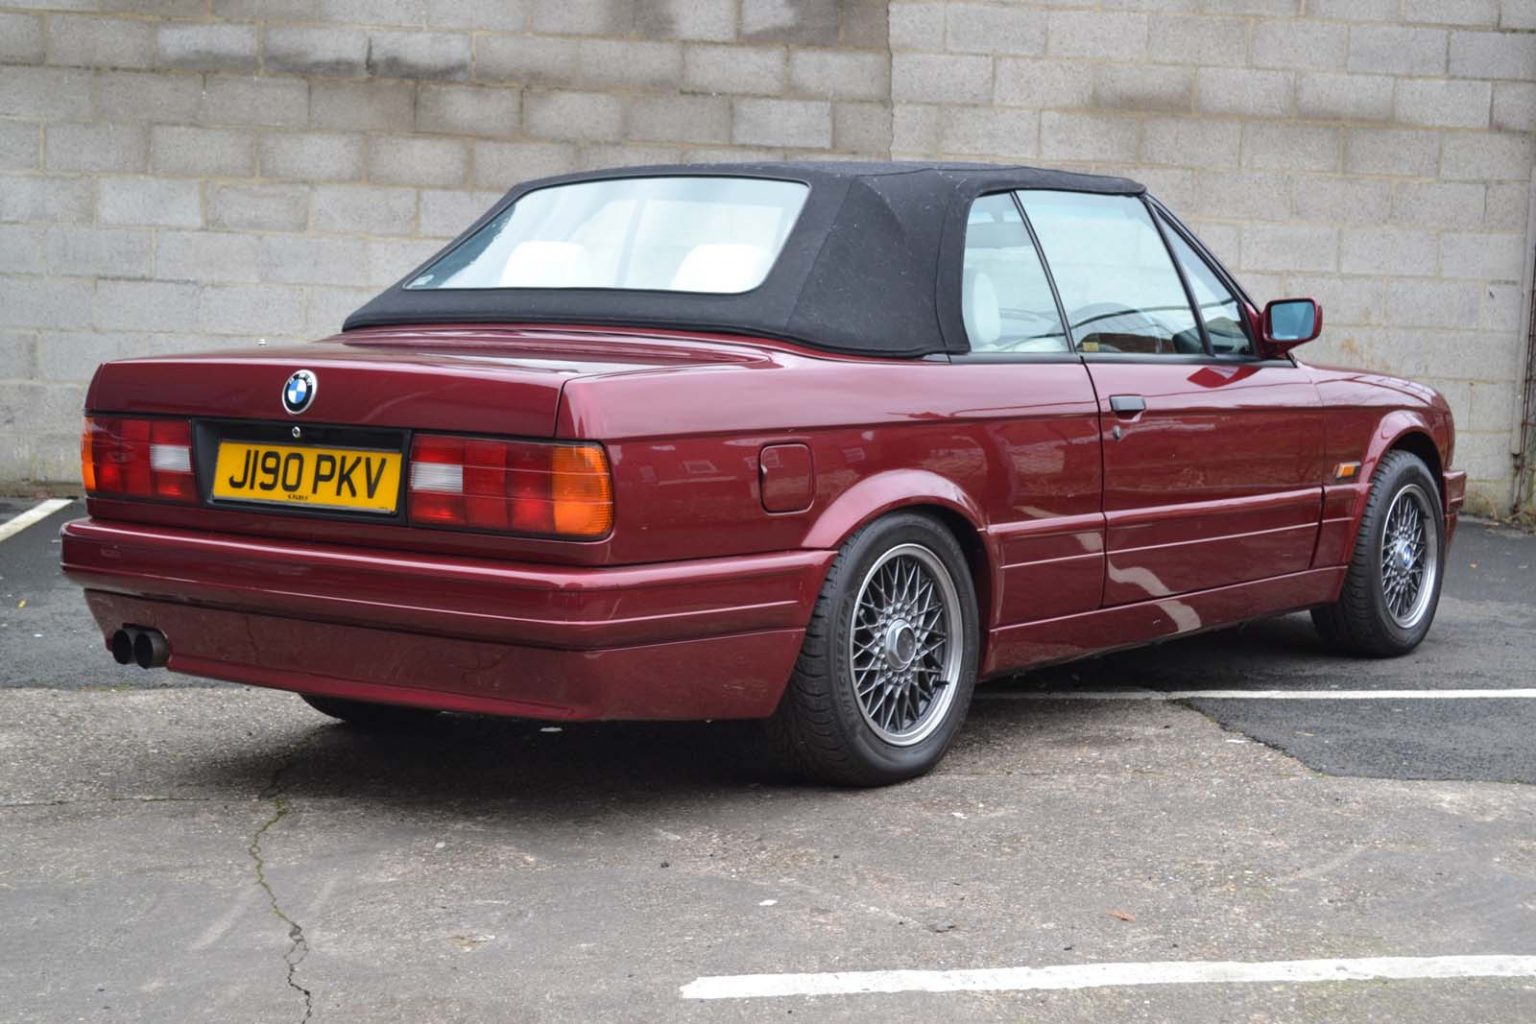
1129	321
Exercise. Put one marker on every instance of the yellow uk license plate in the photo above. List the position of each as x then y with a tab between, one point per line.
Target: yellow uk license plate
329	478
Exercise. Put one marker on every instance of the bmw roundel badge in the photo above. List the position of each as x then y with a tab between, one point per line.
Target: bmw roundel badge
299	391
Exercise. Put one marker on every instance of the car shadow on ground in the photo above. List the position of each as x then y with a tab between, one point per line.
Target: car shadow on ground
464	765
1271	649
472	760
468	760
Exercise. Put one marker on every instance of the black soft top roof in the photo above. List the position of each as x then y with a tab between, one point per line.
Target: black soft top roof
872	265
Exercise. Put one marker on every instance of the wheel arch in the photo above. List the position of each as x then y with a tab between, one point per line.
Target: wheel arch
1354	620
1398	431
1403	430
1418	442
916	491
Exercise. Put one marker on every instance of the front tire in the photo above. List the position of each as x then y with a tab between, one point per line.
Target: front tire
369	716
1392	587
889	662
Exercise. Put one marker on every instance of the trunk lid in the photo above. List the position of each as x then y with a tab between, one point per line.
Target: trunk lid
486	381
374	390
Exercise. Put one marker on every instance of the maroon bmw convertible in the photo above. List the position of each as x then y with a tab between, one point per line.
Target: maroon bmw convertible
816	444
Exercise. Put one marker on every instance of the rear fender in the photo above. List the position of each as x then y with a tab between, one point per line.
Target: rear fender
892	491
876	495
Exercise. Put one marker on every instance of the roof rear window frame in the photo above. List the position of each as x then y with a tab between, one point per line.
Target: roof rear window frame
507	209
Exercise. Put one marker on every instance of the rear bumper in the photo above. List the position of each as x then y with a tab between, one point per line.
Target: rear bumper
713	638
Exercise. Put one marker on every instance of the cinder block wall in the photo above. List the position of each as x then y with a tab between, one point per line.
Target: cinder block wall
186	173
1376	154
176	174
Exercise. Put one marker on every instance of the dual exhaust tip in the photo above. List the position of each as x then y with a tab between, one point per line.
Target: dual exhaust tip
148	647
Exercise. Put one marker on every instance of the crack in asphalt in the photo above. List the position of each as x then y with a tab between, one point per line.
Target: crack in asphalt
104	800
298	947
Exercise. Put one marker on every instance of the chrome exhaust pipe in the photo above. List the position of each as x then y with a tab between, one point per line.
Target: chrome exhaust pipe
122	645
151	649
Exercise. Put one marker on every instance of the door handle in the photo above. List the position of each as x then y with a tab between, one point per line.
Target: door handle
1127	405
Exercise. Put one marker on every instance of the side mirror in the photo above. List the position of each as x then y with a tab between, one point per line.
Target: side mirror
1290	322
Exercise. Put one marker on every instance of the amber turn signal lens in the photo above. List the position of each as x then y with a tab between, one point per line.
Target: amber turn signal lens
87	463
582	489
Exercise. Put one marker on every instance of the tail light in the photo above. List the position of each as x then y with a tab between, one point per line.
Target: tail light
138	458
562	490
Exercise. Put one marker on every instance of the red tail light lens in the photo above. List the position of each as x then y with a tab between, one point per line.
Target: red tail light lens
517	486
131	458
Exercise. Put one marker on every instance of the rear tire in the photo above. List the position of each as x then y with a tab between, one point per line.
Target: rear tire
369	716
1392	587
889	662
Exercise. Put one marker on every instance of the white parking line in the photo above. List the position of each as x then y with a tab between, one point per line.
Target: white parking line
1513	693
11	527
1080	976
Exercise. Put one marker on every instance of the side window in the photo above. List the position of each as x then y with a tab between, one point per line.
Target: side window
1004	296
1214	302
1117	282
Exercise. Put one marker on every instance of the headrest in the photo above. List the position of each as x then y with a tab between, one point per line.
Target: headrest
721	267
548	265
979	306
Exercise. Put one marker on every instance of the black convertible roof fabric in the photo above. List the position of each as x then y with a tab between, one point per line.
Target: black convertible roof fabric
872	266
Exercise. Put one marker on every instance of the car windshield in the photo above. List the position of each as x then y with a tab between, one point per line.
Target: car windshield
680	234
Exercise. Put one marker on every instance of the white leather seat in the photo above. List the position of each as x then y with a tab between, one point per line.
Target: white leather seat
722	268
980	308
548	265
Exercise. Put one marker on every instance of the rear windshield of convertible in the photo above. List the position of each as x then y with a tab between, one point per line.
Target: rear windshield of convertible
681	234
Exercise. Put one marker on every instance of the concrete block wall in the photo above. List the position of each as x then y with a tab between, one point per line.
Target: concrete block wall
1377	154
184	173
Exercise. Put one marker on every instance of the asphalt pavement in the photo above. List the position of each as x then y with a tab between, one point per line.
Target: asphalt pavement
1484	637
171	850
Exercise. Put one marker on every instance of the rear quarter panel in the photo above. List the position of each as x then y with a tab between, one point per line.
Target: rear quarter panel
1010	450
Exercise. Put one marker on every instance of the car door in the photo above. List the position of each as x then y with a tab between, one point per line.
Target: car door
1042	432
1211	452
